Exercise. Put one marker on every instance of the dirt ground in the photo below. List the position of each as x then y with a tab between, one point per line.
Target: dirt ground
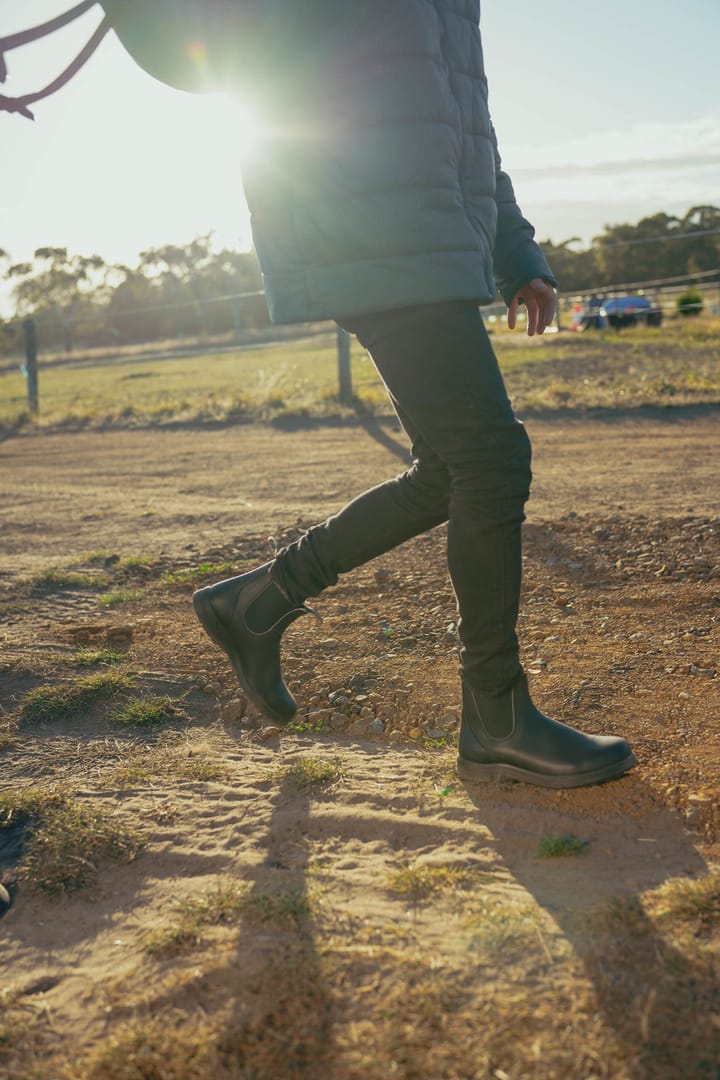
152	492
620	628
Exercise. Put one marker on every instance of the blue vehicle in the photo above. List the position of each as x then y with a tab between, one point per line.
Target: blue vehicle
623	311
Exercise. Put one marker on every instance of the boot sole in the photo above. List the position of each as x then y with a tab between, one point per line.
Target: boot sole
214	630
475	772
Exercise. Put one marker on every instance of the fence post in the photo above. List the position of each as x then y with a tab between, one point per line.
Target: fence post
345	391
30	368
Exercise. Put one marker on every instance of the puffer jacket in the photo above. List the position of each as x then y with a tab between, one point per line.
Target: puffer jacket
378	182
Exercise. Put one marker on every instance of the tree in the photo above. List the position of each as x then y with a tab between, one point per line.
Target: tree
642	252
702	226
55	289
576	271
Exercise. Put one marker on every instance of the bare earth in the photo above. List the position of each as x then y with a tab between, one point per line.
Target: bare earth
621	633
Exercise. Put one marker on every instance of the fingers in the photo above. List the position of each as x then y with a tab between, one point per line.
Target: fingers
539	300
533	315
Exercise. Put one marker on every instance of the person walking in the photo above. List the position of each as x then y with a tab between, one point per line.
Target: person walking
382	203
378	199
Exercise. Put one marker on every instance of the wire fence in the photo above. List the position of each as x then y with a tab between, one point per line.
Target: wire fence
231	319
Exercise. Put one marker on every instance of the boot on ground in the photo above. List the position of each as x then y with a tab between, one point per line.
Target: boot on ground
505	735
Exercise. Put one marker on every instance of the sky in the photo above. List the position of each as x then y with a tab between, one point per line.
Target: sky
604	113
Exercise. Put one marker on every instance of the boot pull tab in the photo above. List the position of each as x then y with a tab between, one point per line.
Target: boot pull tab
24	37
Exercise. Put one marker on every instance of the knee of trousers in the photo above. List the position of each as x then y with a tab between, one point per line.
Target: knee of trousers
428	480
497	464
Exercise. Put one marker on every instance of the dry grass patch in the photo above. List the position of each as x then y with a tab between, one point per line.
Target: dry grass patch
225	905
268	1019
418	883
63	842
494	925
54	578
314	773
689	900
168	761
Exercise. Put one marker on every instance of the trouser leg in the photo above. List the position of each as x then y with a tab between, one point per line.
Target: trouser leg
439	366
375	522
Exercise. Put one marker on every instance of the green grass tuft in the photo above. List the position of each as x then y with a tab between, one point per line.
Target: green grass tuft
53	578
558	844
119	596
148	711
62	701
193	575
98	657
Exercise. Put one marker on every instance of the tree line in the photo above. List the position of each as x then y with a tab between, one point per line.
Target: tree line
175	290
194	290
657	248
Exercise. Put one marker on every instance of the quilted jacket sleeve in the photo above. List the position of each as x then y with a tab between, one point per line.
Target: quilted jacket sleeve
517	257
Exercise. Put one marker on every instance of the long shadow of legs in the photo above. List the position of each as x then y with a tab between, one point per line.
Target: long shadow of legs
281	1024
373	428
657	999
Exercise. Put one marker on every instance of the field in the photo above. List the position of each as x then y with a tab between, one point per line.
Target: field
197	893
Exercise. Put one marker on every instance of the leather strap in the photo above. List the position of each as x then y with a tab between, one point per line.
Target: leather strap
24	37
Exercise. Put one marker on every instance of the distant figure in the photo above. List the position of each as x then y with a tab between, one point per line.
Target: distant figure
378	200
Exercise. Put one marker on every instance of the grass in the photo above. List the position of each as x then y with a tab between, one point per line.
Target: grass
98	657
494	925
7	740
193	575
689	899
63	701
557	845
417	883
118	597
150	711
298	378
64	842
677	365
304	724
167	760
225	905
279	906
313	773
54	578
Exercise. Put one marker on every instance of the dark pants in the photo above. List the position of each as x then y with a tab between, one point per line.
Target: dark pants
471	468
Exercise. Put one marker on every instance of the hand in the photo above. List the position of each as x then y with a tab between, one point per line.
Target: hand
539	299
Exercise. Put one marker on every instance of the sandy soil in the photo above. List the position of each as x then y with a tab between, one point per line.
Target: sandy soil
620	630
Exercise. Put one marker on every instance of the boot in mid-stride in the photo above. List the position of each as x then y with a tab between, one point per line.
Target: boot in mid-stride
246	616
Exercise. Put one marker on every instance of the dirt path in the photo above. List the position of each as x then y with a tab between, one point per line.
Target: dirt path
328	900
147	493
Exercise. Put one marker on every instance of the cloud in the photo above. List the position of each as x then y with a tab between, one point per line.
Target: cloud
677	146
576	186
689	162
